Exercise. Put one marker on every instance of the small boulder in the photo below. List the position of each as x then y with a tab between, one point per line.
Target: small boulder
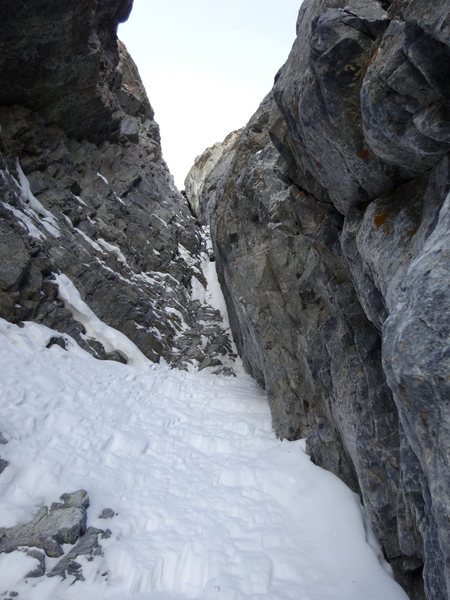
79	498
129	129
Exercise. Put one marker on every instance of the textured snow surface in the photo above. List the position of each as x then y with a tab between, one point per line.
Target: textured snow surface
209	504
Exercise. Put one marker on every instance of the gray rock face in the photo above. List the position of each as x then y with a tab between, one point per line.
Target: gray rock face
39	38
416	359
84	191
197	178
329	217
403	99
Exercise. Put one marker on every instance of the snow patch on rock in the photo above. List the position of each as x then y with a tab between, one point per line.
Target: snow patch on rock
112	339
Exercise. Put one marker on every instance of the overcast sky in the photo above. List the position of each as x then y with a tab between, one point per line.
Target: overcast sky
206	65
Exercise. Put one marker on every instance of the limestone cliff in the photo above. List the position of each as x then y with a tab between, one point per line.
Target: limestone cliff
330	218
85	191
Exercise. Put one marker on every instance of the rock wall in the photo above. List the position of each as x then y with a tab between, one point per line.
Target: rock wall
330	220
84	190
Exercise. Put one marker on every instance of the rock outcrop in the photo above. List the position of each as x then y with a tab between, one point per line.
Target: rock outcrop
217	156
63	523
86	193
329	215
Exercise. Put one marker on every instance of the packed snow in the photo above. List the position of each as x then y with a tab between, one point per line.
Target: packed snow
209	504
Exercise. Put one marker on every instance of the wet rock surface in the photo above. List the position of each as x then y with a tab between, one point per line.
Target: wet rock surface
329	220
85	192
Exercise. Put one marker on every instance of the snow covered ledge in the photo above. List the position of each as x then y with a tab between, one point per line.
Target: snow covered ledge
112	339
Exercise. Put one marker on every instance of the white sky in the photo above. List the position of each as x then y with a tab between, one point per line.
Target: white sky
206	66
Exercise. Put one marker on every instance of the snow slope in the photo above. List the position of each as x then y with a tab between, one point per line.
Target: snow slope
209	504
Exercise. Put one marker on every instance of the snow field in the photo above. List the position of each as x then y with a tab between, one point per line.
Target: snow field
209	504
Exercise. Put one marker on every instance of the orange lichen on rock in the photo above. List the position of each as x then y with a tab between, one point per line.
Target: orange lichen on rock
380	218
364	154
373	57
412	232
